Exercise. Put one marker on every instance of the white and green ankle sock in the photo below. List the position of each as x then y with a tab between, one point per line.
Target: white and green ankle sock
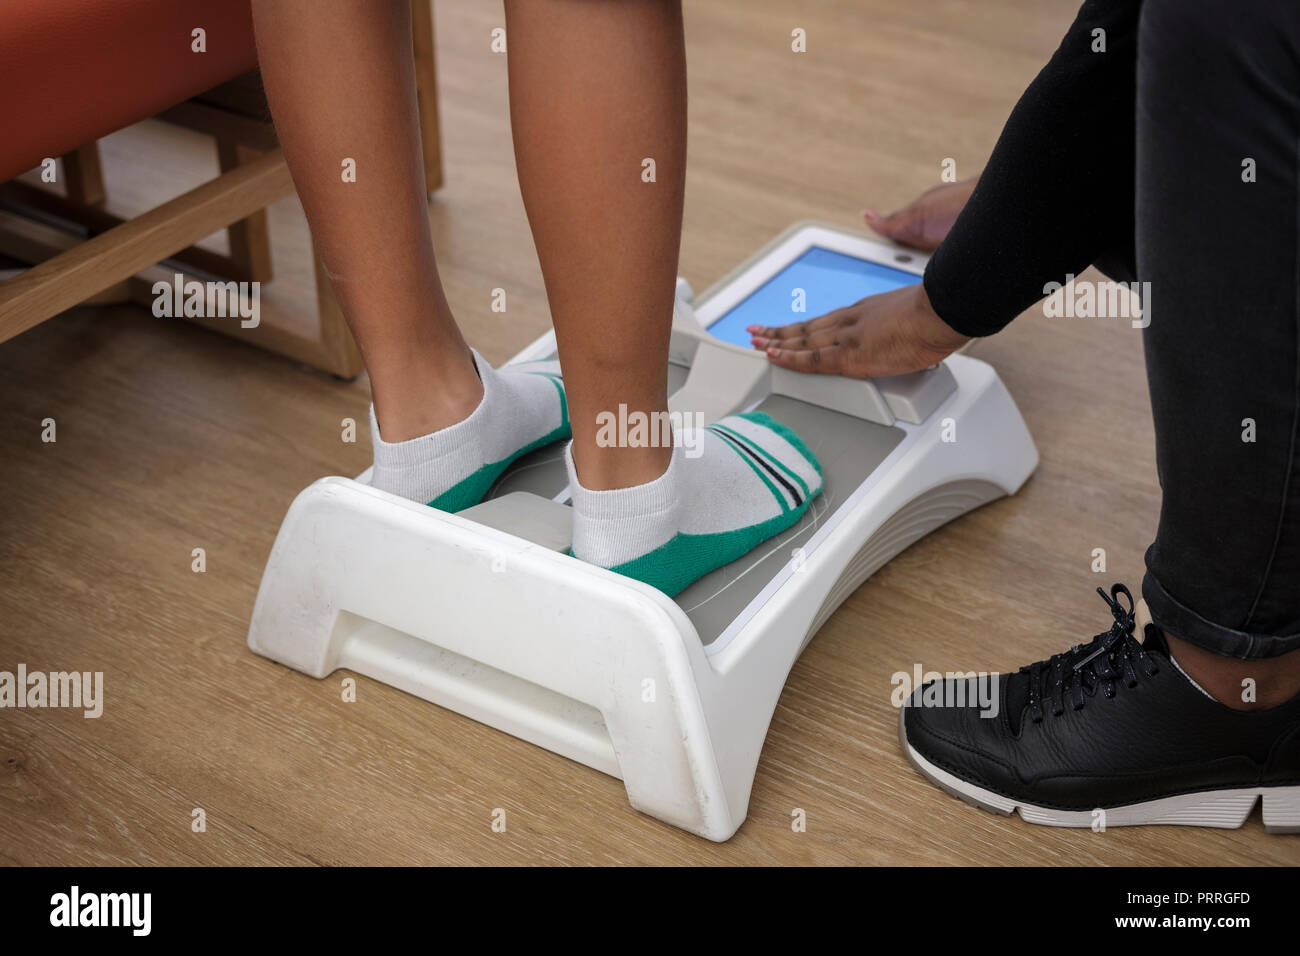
523	408
753	479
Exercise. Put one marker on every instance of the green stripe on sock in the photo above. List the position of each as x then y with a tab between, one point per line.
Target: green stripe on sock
469	491
759	449
688	557
797	443
780	498
564	400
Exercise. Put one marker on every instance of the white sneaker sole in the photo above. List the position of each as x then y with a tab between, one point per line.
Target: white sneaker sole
1226	809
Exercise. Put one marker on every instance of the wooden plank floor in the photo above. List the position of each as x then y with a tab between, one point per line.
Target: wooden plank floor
171	438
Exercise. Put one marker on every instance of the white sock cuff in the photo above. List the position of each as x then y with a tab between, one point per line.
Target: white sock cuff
616	504
438	460
777	445
616	526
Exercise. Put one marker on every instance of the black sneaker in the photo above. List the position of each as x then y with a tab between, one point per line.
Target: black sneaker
1111	726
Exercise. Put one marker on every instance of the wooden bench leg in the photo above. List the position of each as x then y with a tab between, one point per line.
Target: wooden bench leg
115	265
110	257
426	90
85	175
250	240
118	265
342	357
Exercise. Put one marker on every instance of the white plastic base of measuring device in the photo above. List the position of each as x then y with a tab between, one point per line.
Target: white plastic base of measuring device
484	613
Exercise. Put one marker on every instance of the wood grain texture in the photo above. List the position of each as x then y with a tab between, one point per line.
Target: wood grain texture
426	89
171	438
85	179
250	242
113	256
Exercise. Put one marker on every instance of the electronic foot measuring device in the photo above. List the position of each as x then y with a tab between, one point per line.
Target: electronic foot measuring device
485	613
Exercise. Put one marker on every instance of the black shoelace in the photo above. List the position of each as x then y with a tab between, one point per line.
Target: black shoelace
1111	657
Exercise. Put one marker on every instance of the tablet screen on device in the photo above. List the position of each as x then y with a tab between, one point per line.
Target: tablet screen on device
828	280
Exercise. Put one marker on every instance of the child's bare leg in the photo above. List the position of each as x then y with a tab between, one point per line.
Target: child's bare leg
595	90
340	80
341	85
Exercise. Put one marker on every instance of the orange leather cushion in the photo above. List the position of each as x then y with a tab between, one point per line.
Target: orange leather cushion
74	70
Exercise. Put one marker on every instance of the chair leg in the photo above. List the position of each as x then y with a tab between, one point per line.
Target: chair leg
339	348
426	88
110	257
85	175
250	241
104	269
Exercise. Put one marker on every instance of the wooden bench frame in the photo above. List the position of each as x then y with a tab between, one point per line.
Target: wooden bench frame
119	262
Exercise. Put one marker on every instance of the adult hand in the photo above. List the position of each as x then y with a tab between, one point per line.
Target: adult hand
923	223
887	334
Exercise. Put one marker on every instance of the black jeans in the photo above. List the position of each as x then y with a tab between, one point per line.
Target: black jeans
1167	133
1218	96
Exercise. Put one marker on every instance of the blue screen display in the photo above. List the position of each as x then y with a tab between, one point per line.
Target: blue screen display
829	280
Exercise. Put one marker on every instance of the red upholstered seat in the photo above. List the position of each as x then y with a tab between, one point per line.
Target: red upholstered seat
72	71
